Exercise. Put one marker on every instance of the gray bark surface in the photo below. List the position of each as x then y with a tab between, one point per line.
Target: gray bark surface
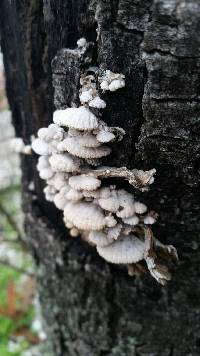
91	307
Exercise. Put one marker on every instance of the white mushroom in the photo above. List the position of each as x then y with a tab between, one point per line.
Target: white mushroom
98	238
85	216
133	220
126	204
86	96
50	193
140	208
125	250
114	232
149	220
59	180
110	204
105	136
116	84
41	147
77	118
64	163
81	42
110	221
46	173
74	232
17	145
43	162
105	192
60	200
104	85
73	146
97	103
84	182
88	140
74	195
50	133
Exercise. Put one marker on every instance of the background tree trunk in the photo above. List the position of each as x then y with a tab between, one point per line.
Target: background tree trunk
91	307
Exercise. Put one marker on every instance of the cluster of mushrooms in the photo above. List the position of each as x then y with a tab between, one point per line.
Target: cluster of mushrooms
108	218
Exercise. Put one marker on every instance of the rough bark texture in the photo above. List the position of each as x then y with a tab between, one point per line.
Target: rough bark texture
93	308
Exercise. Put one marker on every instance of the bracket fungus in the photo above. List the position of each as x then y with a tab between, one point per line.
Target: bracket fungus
108	218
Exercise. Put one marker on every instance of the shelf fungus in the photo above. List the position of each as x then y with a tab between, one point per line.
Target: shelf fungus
107	217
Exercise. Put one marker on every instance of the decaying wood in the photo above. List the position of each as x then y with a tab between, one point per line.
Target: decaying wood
93	308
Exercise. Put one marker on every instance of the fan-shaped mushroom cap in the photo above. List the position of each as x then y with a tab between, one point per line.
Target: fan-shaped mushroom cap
104	85
49	192
64	163
43	162
85	216
98	103
46	173
126	202
59	180
116	84
114	232
110	204
86	96
105	136
41	147
110	221
52	132
105	192
77	118
126	250
140	208
98	238
149	220
88	140
60	200
73	146
84	182
133	220
74	195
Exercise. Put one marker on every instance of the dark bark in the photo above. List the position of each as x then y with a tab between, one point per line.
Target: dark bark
93	308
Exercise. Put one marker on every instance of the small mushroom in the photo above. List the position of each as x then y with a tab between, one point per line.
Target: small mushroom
98	238
42	148
114	232
125	250
105	136
81	42
97	103
85	216
110	204
76	118
74	195
73	146
140	208
149	220
133	220
64	163
84	182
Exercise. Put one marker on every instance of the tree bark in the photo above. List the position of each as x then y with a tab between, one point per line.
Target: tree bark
91	307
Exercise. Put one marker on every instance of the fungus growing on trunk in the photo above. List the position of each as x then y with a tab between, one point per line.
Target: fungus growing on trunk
107	217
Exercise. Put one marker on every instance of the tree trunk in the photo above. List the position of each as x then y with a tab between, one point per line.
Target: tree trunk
91	307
